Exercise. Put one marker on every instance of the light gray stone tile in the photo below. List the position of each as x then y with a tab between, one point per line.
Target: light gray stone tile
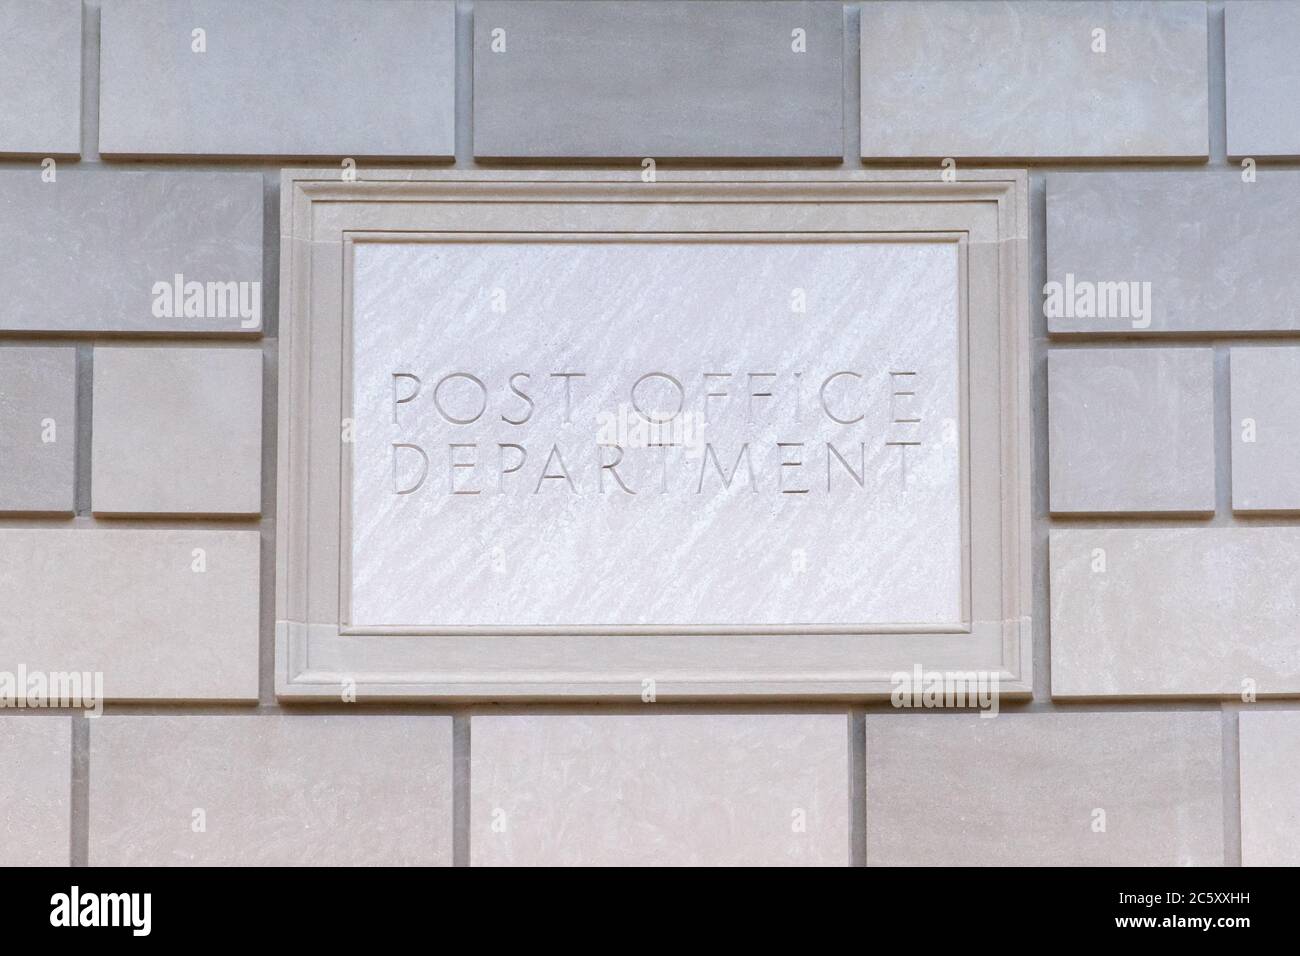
1159	612
35	790
337	78
606	79
1261	40
1265	429
40	77
1032	789
670	789
1218	253
177	431
271	790
162	615
38	429
102	251
1131	430
1022	79
1270	787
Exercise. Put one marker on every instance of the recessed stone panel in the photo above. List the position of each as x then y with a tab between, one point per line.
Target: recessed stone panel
668	790
635	399
1175	612
109	252
177	431
1263	78
1131	430
271	790
1270	787
743	433
328	78
38	429
1153	253
1033	80
1059	789
613	78
40	77
160	614
1265	429
35	788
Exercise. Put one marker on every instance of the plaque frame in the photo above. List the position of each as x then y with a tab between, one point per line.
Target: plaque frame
319	656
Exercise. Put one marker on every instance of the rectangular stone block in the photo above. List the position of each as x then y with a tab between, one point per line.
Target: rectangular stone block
1270	787
626	78
1175	612
1172	252
1131	430
1265	429
271	790
1260	41
672	790
108	252
162	615
331	78
35	790
1033	80
177	431
40	77
38	429
1059	789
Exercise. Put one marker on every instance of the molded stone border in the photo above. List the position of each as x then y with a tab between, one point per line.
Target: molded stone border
319	657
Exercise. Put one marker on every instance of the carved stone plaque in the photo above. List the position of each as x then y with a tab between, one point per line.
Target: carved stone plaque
685	433
723	435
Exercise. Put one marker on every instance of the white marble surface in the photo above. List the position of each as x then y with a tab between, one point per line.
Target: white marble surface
547	552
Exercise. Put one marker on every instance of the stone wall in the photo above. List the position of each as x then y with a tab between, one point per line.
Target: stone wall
141	142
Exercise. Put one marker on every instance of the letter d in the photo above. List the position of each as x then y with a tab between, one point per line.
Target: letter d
424	468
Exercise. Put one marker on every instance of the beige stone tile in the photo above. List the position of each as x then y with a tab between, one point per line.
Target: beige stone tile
1218	253
1035	789
1263	77
1174	612
177	431
1265	429
109	251
597	79
953	79
35	789
132	605
1131	430
38	429
266	789
1270	787
669	789
40	77
329	78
